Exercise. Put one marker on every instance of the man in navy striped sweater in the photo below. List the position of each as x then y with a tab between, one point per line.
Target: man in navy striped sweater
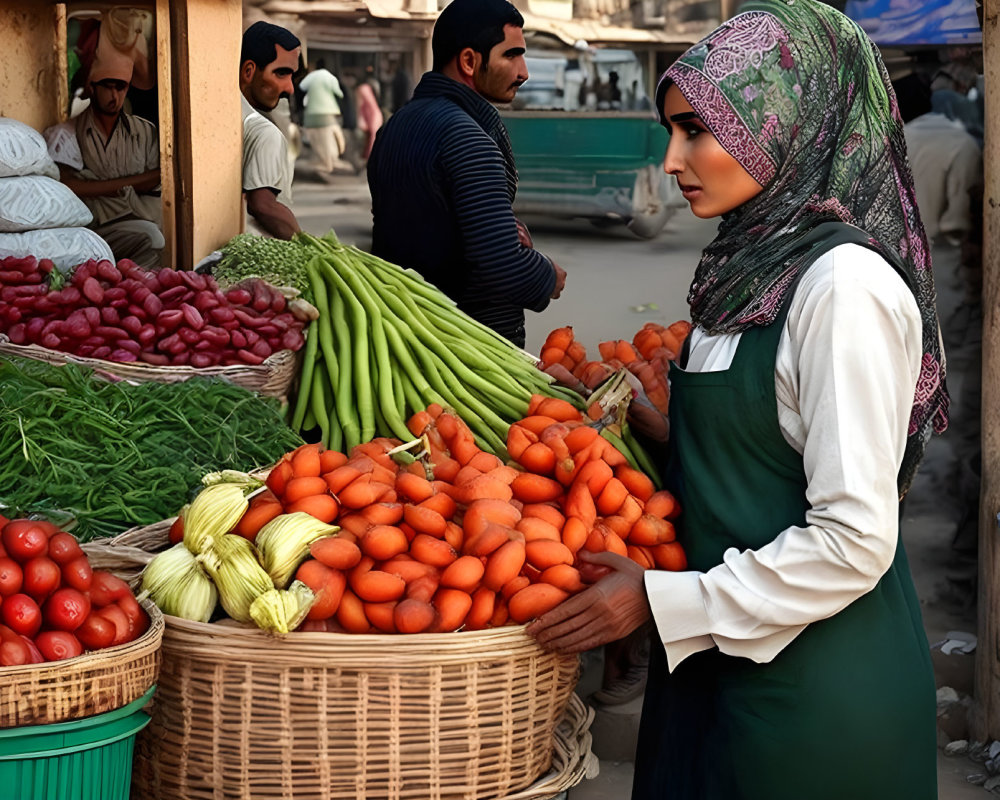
442	174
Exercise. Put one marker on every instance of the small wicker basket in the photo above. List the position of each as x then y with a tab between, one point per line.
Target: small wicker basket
96	682
273	378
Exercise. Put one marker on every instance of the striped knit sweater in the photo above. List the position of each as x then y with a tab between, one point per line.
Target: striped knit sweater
442	182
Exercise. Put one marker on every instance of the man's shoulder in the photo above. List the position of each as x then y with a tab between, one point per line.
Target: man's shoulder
139	125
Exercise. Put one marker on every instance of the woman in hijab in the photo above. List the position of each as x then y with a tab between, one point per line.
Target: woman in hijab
790	659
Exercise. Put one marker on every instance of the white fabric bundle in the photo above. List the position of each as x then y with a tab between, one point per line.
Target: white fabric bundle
23	151
32	202
67	247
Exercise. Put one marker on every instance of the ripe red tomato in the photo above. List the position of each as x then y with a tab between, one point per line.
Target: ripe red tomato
14	654
22	614
23	539
36	654
117	618
105	588
137	619
66	609
78	574
57	645
176	533
11	577
41	577
96	631
63	548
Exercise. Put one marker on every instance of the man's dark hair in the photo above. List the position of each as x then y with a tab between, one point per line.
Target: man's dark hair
477	24
259	42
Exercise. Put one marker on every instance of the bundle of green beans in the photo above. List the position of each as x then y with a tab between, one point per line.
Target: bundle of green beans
99	456
388	344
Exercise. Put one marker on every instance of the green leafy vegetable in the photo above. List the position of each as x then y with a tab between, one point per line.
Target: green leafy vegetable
112	455
278	262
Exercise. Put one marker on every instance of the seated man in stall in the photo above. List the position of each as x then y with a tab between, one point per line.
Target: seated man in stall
111	160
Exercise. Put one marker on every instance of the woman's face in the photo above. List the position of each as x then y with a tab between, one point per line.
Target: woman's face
712	181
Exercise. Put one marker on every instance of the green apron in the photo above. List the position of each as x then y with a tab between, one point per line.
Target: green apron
847	710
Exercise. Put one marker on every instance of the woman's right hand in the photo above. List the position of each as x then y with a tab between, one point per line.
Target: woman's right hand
608	610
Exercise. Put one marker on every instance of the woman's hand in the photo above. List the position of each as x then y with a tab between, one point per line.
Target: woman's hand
606	611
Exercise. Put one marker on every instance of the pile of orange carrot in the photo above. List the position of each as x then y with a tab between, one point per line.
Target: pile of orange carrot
647	357
457	539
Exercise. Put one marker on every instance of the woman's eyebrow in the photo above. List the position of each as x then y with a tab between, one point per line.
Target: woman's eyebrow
686	116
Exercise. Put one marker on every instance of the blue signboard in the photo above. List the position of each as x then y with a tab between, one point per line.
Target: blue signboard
903	23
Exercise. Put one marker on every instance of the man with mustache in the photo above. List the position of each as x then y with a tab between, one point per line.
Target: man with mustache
443	179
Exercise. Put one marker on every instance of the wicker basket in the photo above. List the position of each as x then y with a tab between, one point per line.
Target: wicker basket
241	714
272	378
104	680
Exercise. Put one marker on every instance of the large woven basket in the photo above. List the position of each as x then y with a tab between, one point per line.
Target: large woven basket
104	680
272	378
241	714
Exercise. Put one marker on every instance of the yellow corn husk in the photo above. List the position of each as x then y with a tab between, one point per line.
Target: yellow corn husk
282	610
284	542
213	513
239	577
244	480
179	586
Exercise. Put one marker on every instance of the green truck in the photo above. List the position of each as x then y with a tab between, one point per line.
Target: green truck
587	142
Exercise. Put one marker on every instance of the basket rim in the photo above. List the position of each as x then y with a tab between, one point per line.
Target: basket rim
150	640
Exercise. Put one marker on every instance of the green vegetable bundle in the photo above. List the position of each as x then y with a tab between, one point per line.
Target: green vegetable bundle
112	455
388	344
278	262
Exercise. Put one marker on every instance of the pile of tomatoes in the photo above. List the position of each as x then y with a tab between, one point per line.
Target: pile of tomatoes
52	604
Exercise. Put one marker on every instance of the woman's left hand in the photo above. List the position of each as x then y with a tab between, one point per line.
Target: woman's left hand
608	610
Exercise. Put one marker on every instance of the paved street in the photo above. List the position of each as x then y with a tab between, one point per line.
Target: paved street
615	283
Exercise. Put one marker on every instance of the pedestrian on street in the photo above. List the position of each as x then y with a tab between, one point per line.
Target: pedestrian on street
790	659
268	59
443	179
322	116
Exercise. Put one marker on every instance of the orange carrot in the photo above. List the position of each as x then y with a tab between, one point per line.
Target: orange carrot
530	488
279	476
329	460
413	616
483	602
504	564
544	553
534	401
662	504
407	568
580	503
419	422
383	513
382	615
607	350
351	614
642	556
376	586
463	573
559	409
537	458
454	535
534	528
340	477
500	613
445	468
576	351
594	475
382	542
533	601
260	512
560	337
536	423
519	439
321	506
552	355
492	538
574	534
442	503
580	437
413	487
306	462
336	552
452	607
354	524
614	543
327	584
482	513
436	552
484	487
545	511
514	585
670	556
424	520
611	498
423	588
563	576
361	492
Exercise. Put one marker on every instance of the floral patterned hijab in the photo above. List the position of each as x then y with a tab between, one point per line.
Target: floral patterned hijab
798	94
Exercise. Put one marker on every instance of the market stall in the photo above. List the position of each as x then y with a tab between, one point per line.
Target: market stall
326	500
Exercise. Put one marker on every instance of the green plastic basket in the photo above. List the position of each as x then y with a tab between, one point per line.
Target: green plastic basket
82	759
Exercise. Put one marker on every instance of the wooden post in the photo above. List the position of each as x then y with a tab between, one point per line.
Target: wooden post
165	96
727	8
986	713
207	127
